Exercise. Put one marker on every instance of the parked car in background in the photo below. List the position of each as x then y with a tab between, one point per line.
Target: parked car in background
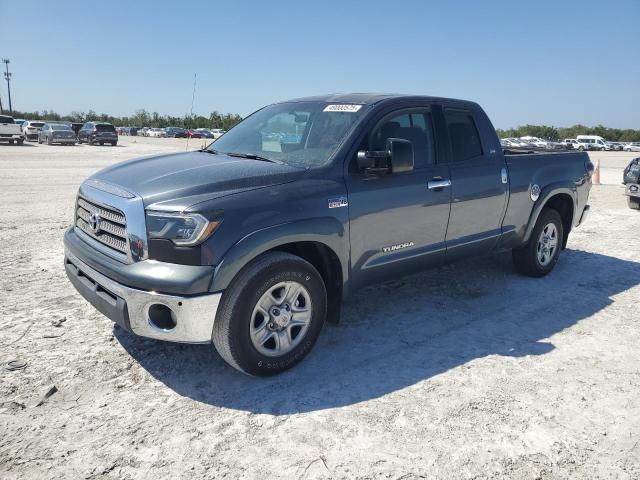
98	132
619	146
510	143
31	129
156	132
142	132
570	143
192	134
120	130
535	141
218	132
175	132
19	121
205	133
51	133
632	147
9	131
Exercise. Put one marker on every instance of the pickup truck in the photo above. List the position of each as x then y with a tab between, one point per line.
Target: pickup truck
10	131
253	242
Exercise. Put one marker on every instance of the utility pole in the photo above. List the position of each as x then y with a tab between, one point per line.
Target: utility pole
7	77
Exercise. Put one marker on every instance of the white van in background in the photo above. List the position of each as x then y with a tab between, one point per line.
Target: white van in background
594	142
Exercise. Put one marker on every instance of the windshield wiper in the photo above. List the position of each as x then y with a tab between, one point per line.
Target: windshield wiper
250	156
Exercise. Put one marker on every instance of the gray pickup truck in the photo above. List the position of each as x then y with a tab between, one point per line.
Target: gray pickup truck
252	243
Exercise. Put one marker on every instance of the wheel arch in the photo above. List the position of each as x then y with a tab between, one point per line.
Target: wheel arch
561	198
320	241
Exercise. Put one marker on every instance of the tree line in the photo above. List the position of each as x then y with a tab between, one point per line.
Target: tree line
559	133
140	118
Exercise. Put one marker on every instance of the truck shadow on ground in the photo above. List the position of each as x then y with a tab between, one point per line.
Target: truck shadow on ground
402	332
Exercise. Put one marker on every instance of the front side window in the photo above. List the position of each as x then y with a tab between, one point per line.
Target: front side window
415	126
463	134
304	134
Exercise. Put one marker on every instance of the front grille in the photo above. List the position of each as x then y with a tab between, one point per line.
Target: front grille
112	231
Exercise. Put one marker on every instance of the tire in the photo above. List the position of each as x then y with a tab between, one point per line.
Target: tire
20	142
49	141
113	144
39	141
11	141
101	144
633	203
529	260
581	148
239	314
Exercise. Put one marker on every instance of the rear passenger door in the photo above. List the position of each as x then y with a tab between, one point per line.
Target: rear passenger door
397	222
478	185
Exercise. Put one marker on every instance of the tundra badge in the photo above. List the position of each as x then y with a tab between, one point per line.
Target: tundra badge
399	246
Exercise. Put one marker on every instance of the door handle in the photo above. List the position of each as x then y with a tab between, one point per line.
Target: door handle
438	183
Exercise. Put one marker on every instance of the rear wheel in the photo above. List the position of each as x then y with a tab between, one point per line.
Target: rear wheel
538	257
634	203
20	141
271	314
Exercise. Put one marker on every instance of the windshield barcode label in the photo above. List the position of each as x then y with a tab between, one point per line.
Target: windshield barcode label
342	108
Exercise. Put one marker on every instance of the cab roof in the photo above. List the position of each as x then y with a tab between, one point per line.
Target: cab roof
372	98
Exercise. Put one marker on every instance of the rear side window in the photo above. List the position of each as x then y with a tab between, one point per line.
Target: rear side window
463	134
415	126
105	128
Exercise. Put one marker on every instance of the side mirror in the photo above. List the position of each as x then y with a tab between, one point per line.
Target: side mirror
397	158
400	154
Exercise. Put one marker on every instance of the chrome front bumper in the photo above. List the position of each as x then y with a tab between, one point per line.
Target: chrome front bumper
129	307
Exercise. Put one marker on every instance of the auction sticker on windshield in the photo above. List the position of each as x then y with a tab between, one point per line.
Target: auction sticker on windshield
342	108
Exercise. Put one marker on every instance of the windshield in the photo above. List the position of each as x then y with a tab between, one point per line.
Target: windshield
304	134
60	127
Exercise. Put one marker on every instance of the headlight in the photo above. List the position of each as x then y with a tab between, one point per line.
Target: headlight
183	229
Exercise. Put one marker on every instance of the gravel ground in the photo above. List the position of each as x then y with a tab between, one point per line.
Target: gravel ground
467	371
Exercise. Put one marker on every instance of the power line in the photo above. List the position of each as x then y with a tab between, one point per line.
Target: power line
7	77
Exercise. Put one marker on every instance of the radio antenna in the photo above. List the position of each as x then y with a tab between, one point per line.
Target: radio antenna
193	96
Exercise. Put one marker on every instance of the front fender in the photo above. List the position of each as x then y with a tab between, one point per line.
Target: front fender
545	195
326	230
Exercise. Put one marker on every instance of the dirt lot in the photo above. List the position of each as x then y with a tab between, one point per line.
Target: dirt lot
468	371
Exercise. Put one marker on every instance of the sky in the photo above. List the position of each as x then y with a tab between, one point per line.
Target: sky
545	62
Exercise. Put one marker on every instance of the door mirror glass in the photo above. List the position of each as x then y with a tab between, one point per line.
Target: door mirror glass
400	155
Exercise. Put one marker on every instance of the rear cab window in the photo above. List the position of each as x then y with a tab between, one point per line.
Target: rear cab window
4	119
463	135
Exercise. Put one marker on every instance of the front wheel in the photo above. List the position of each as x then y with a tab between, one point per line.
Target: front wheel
538	257
634	203
271	315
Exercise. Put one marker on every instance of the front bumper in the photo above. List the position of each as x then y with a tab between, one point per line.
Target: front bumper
130	307
632	190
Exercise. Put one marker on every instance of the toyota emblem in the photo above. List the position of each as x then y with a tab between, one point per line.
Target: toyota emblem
94	221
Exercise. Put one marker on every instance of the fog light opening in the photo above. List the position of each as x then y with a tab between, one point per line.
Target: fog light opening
162	317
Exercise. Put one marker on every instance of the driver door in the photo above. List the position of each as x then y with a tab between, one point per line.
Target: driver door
398	222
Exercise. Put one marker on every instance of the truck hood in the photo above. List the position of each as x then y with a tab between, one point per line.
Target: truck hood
176	181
